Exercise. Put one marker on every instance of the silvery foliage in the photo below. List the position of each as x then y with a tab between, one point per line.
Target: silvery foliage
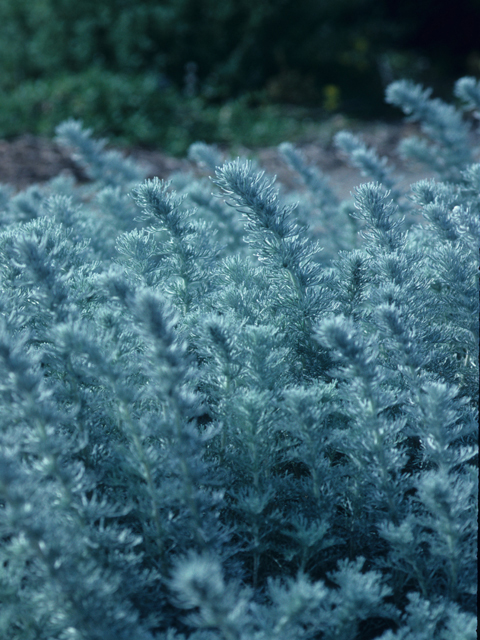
227	416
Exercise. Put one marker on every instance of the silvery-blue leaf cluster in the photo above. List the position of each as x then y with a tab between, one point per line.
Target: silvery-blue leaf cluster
233	412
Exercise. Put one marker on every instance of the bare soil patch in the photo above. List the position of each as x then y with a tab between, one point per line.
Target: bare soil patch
30	159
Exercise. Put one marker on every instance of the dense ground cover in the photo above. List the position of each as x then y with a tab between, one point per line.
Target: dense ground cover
229	411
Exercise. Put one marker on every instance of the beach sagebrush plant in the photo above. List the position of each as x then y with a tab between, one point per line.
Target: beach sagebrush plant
218	422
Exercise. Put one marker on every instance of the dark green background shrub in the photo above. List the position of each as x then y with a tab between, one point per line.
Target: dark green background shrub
130	109
332	55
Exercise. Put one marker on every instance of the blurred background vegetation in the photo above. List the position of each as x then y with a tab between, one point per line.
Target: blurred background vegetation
164	73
